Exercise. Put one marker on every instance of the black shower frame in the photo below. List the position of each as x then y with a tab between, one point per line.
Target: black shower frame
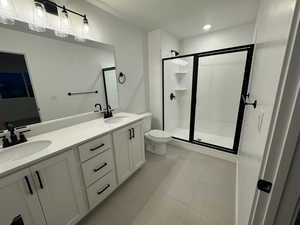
249	49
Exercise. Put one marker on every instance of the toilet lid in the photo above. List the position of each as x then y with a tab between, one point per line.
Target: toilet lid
159	134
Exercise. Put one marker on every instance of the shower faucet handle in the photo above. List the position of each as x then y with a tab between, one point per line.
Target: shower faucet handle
172	96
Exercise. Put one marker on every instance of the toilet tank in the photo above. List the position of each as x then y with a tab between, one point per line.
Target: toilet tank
147	121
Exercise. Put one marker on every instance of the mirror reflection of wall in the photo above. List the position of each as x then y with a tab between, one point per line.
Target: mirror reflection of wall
58	67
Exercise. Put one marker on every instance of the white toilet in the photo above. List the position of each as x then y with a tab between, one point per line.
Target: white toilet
155	140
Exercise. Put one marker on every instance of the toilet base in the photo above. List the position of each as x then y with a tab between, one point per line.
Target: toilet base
159	149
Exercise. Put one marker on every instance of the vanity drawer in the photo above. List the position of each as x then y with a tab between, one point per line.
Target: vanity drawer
101	189
97	167
94	147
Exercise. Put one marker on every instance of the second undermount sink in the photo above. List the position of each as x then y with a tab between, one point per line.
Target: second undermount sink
23	150
115	119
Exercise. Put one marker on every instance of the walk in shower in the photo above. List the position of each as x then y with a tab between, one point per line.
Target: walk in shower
204	96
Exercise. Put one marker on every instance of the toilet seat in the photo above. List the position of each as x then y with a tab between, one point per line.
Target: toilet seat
159	136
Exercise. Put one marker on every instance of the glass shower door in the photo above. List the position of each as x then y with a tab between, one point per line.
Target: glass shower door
218	92
202	96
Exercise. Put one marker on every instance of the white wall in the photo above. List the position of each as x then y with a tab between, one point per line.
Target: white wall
272	30
160	44
130	44
235	36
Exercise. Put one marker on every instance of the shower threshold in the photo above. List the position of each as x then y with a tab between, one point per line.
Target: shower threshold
223	141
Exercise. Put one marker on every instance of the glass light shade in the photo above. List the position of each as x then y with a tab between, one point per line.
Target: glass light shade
84	30
7	12
63	29
39	18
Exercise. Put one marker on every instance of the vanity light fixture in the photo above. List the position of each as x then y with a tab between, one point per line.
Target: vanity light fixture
7	12
42	7
206	27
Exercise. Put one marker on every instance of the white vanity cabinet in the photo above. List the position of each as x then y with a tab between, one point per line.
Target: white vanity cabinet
45	193
18	196
129	150
62	189
58	187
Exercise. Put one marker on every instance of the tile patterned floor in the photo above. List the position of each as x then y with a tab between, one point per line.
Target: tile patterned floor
182	188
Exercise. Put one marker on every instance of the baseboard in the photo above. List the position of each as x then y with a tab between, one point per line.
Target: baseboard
205	150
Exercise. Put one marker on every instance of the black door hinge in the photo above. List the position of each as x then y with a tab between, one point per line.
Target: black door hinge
264	186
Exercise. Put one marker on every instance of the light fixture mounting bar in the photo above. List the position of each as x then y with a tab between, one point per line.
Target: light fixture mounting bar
48	2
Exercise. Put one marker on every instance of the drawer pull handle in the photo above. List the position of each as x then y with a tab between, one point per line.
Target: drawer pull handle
103	189
93	149
100	167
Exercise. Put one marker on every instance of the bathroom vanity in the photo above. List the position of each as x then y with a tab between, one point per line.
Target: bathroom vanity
58	177
74	158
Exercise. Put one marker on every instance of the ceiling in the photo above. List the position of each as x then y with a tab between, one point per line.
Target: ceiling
182	18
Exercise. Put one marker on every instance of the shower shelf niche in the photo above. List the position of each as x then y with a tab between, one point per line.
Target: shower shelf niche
180	89
181	74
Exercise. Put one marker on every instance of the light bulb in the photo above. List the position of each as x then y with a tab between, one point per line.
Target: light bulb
39	21
66	21
63	24
86	28
39	11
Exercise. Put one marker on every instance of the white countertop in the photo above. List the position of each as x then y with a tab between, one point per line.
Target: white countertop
66	138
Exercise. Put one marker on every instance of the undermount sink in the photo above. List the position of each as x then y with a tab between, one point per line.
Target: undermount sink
116	119
23	150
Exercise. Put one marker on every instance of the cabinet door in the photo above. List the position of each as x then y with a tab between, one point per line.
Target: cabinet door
59	189
137	147
18	196
122	152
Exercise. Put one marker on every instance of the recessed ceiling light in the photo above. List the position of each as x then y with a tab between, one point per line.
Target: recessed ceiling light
206	27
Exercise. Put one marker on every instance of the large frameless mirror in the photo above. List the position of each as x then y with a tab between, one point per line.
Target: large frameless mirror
59	77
